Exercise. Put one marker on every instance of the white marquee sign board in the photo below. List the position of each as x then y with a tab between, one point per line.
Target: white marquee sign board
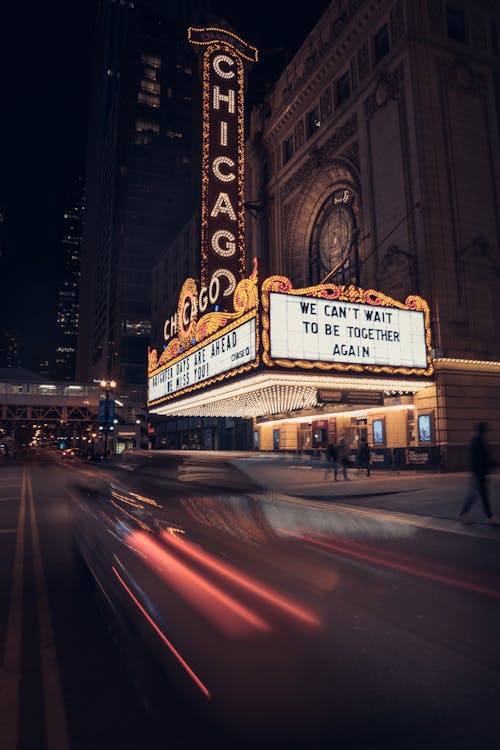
315	329
226	352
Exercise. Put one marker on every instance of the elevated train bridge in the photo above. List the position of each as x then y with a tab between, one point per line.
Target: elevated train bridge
64	410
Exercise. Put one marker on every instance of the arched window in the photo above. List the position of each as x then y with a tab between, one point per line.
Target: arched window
332	238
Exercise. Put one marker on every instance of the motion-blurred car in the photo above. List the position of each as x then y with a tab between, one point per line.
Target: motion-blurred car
191	568
69	453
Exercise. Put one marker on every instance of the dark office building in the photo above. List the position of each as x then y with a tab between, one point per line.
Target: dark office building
143	175
10	349
2	230
68	284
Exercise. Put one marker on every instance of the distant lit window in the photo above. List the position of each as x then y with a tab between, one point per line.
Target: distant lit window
313	122
137	327
152	86
154	62
455	24
148	99
343	89
287	149
146	126
173	134
381	43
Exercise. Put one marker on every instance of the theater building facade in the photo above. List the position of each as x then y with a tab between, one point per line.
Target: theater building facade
363	234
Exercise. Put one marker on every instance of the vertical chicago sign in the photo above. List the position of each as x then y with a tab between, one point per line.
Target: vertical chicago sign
223	161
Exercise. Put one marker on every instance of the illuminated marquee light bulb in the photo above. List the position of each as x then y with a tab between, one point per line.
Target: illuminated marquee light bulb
230	249
225	273
217	62
223	151
223	206
229	98
229	176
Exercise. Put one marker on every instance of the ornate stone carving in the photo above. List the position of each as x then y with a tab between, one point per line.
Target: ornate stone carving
388	88
479	254
459	75
320	156
394	256
397	270
397	21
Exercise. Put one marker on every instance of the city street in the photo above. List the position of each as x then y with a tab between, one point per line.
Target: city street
372	617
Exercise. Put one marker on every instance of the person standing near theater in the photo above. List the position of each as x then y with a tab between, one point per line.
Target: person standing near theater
480	465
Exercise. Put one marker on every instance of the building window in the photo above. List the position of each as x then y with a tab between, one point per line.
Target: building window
313	122
152	86
148	99
153	62
145	126
343	89
455	24
287	149
381	43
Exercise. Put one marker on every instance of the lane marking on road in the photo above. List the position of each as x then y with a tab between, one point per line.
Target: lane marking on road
10	671
8	531
10	497
56	731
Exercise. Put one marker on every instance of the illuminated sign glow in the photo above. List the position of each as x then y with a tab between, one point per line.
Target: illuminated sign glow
191	328
346	328
227	353
223	159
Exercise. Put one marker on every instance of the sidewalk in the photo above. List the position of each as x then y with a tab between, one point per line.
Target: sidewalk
430	498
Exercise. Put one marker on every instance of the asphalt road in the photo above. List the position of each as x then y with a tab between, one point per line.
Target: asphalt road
387	637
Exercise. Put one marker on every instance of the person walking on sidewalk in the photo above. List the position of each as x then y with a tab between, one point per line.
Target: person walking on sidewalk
342	458
364	456
332	454
480	464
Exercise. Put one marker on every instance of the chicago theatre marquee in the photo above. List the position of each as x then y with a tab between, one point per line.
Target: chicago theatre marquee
308	365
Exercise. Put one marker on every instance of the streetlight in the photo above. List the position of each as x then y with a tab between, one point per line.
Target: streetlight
108	413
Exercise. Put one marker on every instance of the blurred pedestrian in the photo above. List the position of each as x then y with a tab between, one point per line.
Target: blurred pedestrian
480	465
364	456
342	458
331	455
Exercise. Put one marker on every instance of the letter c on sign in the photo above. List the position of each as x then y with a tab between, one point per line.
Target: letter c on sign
218	59
229	176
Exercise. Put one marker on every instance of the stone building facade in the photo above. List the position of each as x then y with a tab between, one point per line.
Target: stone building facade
383	133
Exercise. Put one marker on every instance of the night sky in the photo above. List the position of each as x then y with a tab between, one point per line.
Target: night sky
45	49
